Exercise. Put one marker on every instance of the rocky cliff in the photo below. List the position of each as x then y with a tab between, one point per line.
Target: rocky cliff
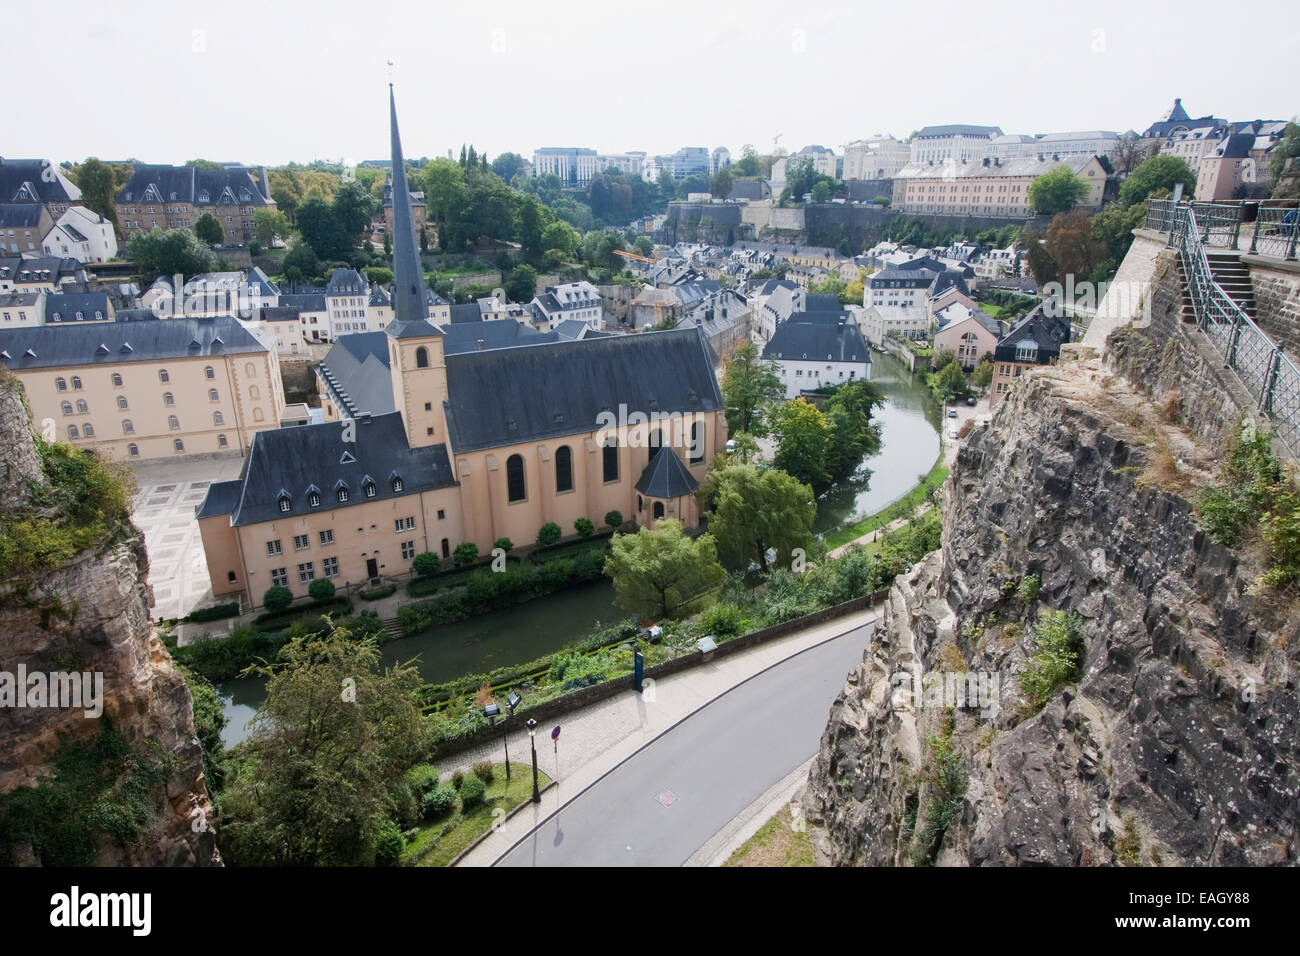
1174	742
91	616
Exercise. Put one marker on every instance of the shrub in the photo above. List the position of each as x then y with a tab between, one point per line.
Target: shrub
614	519
388	844
466	553
437	801
414	617
1060	647
422	778
425	563
722	620
214	613
556	572
472	793
378	594
483	770
584	527
277	599
322	589
505	544
458	779
548	534
1030	585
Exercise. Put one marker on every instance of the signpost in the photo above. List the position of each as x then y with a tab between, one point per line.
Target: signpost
555	742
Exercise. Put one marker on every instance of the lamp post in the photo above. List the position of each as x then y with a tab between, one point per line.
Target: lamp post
532	739
492	712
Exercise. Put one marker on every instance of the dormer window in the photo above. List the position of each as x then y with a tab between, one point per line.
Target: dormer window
397	485
370	489
313	500
341	494
285	503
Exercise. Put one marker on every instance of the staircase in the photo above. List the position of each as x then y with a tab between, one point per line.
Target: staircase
392	629
1231	274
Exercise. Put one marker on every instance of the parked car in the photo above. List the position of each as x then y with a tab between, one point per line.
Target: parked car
952	413
952	433
971	401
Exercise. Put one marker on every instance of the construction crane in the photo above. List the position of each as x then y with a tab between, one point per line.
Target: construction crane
632	255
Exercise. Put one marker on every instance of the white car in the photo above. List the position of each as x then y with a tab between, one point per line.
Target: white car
952	433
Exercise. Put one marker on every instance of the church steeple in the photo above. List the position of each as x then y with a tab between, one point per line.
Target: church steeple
410	295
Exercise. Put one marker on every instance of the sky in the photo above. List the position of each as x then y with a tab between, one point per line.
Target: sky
263	82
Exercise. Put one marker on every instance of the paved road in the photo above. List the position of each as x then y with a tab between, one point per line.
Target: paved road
666	801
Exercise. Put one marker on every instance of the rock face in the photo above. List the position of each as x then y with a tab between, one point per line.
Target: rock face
1179	742
92	615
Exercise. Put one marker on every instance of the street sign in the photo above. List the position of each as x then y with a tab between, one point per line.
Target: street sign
555	734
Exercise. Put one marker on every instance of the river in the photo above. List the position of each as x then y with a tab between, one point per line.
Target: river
909	448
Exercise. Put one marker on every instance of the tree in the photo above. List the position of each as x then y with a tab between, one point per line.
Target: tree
656	571
821	192
465	553
1285	152
506	165
747	165
269	225
277	599
167	253
1156	173
1040	262
444	197
379	275
560	235
982	376
1058	190
301	261
951	382
425	563
1072	247
320	227
644	245
749	384
848	411
802	435
522	284
758	509
329	751
354	207
322	589
1113	227
720	185
100	183
942	356
207	228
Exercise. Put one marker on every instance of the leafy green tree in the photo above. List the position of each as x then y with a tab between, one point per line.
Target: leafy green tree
329	750
803	436
100	183
1113	227
277	599
821	192
849	410
506	165
758	509
320	227
1155	174
379	275
269	225
560	235
720	185
656	571
444	198
748	385
951	381
322	589
747	165
644	245
166	253
942	356
982	376
301	261
354	208
465	553
208	229
1286	151
522	284
425	563
1058	190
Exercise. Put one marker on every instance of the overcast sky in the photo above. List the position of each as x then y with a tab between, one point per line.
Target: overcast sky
270	82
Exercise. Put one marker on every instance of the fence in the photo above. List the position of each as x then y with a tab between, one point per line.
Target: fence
1272	379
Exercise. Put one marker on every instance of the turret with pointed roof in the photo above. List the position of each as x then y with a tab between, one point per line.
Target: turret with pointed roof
410	308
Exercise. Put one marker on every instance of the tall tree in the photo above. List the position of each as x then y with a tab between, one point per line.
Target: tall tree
803	436
522	284
320	227
1058	190
747	165
506	165
1071	245
207	228
168	253
1156	174
269	225
748	385
656	571
354	207
100	183
720	185
330	746
756	510
444	198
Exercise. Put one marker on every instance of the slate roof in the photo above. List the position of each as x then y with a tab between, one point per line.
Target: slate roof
113	343
495	334
15	174
810	336
410	294
571	329
469	312
296	460
280	313
20	215
227	186
135	315
666	477
1046	324
357	374
66	305
821	303
221	499
506	396
958	129
1020	166
346	282
303	301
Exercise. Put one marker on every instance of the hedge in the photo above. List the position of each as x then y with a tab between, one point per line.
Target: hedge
272	622
214	613
378	594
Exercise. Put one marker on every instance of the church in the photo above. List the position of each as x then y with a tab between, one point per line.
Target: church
476	445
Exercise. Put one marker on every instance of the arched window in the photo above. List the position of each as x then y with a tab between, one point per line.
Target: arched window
370	489
659	509
133	450
221	441
169	398
421	357
397	485
208	372
127	427
173	422
248	369
341	494
178	445
121	403
76	382
257	415
72	432
564	468
163	376
697	443
67	408
313	500
88	430
254	392
640	503
515	490
213	396
61	384
286	504
446	548
82	406
117	380
218	418
610	462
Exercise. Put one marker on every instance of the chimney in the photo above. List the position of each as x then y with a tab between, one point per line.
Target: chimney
481	345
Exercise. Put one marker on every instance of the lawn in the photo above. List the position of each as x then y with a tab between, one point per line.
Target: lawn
777	843
990	308
899	509
439	841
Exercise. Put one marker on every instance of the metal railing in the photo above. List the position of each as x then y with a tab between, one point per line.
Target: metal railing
1273	232
1276	230
1272	379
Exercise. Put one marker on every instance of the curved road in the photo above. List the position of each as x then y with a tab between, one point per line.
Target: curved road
669	798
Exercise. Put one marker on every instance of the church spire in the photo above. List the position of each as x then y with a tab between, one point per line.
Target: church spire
410	295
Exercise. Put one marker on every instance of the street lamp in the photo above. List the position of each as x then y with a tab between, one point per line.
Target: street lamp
532	739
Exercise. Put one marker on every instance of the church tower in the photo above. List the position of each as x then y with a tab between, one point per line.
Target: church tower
419	371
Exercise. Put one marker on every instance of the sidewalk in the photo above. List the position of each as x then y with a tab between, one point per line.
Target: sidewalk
596	739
